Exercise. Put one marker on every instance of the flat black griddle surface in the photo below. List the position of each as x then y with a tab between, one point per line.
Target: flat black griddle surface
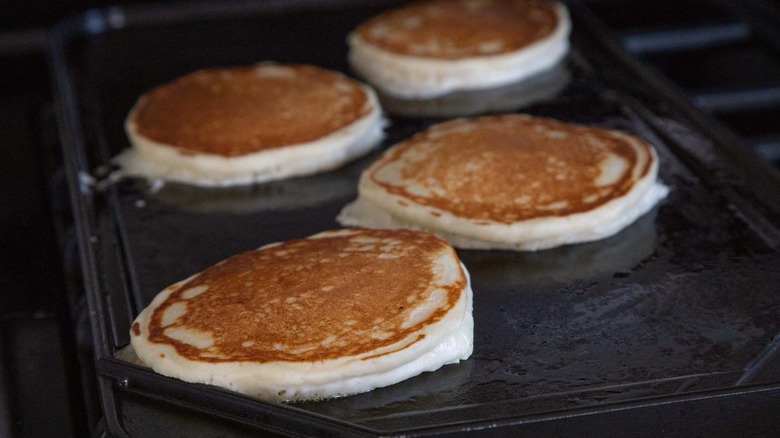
682	302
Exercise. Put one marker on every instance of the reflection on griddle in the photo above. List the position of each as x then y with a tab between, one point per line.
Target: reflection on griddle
619	253
544	86
289	194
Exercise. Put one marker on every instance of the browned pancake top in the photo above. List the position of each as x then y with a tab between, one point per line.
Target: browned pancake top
510	168
452	29
243	110
309	299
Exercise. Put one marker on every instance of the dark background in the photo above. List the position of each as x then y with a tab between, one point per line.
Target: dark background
41	392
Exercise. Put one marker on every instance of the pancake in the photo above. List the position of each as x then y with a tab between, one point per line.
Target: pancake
509	182
242	125
337	313
434	47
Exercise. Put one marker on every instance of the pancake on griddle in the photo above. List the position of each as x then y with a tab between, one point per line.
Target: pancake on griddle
431	48
241	125
337	313
509	182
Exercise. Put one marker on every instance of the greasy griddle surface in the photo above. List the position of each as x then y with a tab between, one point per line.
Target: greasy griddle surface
682	300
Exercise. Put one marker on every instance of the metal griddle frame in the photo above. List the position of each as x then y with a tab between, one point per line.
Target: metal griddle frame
756	197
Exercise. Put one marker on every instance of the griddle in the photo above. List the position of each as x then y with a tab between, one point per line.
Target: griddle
677	314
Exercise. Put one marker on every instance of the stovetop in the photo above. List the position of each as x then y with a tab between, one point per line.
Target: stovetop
722	56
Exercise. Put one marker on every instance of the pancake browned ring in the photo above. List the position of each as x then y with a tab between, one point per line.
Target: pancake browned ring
337	313
511	181
239	125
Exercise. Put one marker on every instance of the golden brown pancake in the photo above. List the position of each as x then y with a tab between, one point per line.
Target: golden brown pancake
447	29
333	314
256	123
466	166
429	48
243	110
512	181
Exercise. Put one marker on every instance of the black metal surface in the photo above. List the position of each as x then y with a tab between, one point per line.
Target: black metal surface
724	55
680	309
37	359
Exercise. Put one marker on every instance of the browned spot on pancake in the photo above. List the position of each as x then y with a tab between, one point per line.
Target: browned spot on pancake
509	168
447	29
136	329
309	299
435	213
243	110
162	355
